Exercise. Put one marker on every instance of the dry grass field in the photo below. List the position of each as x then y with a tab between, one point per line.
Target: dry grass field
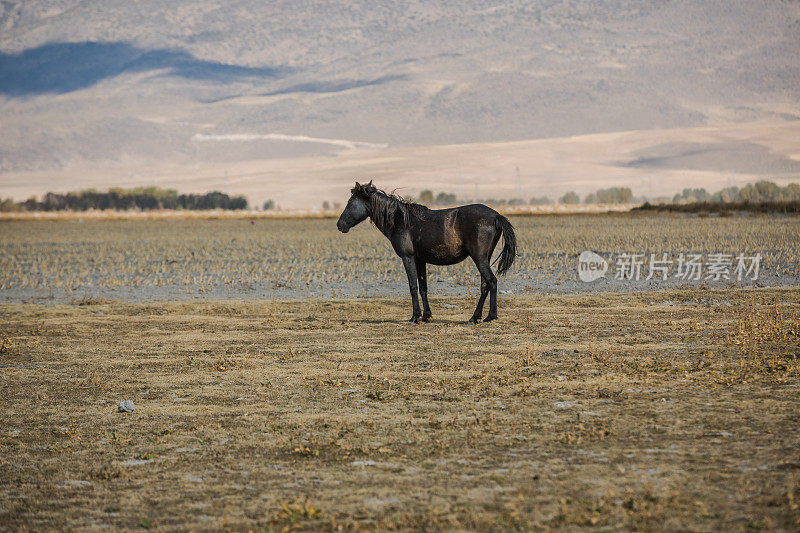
60	261
272	395
277	382
662	410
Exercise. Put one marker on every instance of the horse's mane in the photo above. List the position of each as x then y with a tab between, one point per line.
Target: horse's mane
384	207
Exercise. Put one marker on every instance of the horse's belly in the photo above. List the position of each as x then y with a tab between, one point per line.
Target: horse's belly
449	261
445	255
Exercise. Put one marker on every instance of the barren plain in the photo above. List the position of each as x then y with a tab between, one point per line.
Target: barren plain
278	386
671	410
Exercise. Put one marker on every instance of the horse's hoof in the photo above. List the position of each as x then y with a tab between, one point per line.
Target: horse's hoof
490	318
426	318
414	320
473	320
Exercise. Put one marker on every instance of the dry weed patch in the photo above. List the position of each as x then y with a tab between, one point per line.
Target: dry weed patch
241	256
656	413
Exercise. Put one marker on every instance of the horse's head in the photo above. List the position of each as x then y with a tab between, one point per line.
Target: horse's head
357	208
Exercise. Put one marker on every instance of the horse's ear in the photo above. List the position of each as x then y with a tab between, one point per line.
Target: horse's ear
358	185
369	184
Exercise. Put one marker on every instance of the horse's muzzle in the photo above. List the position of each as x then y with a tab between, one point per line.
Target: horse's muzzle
342	227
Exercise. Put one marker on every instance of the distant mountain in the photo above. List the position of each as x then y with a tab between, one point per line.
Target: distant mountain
86	83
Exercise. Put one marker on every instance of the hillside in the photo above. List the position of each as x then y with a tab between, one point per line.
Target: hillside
167	87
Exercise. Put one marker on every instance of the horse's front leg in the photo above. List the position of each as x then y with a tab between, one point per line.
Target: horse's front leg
411	272
422	276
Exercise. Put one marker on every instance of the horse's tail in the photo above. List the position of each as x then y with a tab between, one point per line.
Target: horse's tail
509	244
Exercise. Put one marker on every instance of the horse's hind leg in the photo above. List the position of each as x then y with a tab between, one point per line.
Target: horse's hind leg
488	286
491	282
476	316
422	277
492	293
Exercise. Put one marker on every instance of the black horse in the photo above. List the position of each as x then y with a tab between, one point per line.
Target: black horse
440	237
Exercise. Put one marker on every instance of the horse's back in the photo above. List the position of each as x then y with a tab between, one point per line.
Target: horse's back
448	236
476	218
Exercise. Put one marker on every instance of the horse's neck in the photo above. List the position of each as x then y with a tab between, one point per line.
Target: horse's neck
385	230
399	225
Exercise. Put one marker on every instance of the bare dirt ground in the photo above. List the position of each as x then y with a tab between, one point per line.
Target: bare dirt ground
663	410
278	386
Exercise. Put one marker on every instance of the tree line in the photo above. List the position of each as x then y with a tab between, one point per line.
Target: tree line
613	195
150	198
762	191
142	198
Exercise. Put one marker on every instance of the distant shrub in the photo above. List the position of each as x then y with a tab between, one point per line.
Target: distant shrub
728	194
8	206
444	198
612	195
426	197
615	195
570	198
543	200
691	195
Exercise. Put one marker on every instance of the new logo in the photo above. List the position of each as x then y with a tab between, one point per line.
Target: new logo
591	266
